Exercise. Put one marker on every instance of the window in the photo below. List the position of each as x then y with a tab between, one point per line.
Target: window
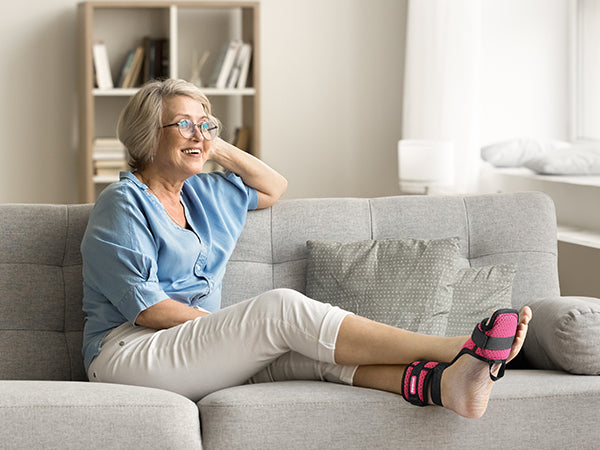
586	72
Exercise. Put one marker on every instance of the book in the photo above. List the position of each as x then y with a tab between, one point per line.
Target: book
107	142
149	59
225	64
126	68
240	61
107	149
133	75
102	66
162	58
245	59
109	167
242	138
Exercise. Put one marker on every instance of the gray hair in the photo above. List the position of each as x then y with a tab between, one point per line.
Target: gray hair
140	123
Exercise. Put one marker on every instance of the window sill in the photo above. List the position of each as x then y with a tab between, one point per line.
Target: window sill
575	199
579	180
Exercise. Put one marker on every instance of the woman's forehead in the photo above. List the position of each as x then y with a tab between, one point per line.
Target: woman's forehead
183	106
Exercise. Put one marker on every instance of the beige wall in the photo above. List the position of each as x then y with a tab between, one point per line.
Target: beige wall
578	270
332	73
331	103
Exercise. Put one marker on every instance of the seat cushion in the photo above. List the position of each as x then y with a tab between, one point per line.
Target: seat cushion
305	414
64	414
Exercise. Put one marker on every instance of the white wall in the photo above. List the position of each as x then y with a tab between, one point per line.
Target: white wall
331	103
525	68
332	91
38	102
332	94
525	92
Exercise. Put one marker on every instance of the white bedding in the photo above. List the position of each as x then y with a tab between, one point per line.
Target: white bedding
548	157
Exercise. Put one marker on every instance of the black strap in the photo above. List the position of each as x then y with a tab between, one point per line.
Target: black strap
436	383
431	381
485	342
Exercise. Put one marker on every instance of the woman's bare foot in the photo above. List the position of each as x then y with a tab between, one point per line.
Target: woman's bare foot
466	384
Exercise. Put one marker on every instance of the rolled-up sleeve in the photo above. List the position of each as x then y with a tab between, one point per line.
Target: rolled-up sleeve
119	258
247	194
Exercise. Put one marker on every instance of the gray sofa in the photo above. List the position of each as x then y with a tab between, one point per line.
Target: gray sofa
46	402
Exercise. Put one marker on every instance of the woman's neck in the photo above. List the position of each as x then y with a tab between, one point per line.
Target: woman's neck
160	185
167	193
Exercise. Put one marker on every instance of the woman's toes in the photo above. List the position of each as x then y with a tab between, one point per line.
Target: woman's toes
524	318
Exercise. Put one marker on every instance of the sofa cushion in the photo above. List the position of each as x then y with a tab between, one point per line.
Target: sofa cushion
477	293
564	333
75	415
313	414
405	283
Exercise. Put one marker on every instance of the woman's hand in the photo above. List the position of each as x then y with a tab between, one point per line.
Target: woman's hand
269	184
167	314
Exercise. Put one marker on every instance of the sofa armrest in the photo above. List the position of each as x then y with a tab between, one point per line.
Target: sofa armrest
564	334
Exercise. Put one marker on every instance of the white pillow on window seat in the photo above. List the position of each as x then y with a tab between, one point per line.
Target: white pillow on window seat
579	159
515	152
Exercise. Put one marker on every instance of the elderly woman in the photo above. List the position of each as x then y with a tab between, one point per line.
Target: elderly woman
154	254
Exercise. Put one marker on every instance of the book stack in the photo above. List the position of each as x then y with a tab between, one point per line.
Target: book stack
146	62
109	158
233	66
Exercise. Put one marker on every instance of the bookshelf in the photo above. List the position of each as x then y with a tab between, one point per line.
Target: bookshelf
192	29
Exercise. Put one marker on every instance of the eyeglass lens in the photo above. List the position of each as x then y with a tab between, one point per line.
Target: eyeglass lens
187	128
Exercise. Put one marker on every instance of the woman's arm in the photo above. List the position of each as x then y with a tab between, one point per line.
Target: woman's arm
269	184
167	314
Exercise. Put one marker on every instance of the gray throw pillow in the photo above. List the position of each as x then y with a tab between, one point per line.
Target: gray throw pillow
403	283
564	334
478	292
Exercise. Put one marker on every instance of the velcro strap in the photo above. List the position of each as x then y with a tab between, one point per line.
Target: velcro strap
436	383
485	342
415	382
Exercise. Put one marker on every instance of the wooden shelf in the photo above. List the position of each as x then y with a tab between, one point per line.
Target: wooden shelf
191	27
211	92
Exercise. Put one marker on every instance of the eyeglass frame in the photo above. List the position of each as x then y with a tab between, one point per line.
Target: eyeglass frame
195	125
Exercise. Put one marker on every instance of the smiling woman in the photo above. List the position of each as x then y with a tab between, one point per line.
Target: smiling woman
164	158
150	111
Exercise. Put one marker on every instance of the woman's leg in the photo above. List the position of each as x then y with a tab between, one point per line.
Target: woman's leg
295	366
364	342
222	349
465	385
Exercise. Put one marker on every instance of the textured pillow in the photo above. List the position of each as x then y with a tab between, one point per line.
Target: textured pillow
564	333
577	160
478	292
403	283
516	152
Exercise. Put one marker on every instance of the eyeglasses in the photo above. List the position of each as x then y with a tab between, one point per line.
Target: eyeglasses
187	129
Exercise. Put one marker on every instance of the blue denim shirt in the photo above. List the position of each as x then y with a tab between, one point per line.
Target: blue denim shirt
135	256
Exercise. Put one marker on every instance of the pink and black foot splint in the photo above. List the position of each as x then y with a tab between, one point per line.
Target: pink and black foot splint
490	342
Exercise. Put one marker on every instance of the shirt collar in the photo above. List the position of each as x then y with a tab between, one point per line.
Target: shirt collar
130	176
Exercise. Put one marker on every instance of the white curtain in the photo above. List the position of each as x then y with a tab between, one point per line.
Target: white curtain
442	80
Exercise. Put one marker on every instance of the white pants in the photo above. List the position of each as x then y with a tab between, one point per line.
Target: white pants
279	335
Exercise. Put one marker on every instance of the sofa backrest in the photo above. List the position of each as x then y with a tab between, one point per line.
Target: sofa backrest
515	228
41	320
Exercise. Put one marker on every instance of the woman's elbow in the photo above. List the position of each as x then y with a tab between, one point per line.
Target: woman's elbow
268	199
